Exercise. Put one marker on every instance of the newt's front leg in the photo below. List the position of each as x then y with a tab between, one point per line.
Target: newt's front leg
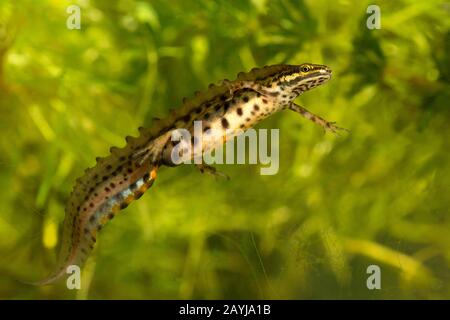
326	125
233	87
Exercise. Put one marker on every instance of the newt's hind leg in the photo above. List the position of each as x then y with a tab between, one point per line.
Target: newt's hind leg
153	150
205	168
326	125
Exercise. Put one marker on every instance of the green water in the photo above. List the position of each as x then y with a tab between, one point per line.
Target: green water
378	195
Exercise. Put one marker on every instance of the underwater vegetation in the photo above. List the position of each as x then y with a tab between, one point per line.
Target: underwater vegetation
377	195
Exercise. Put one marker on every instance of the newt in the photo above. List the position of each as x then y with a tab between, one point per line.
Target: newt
123	176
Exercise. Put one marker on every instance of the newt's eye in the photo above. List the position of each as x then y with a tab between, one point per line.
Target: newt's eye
304	69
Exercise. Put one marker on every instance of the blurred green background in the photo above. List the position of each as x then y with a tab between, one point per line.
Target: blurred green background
378	195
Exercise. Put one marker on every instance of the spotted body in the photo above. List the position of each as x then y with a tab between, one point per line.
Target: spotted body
231	106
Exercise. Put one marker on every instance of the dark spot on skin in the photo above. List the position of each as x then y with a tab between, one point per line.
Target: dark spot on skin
242	126
217	107
226	106
245	99
106	198
186	118
84	209
129	170
91	205
78	208
93	239
174	143
223	97
104	178
123	205
119	168
86	230
258	94
92	218
91	190
122	158
120	182
239	111
206	116
99	227
264	100
198	110
109	167
112	185
107	189
206	128
133	186
110	216
146	177
256	107
247	119
225	123
125	179
96	176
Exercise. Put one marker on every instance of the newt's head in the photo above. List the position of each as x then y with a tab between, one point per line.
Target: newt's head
291	79
303	77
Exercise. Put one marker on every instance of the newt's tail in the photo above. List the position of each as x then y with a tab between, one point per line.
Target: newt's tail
93	204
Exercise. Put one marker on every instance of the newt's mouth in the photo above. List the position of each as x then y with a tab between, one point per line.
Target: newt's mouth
322	74
328	70
325	72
